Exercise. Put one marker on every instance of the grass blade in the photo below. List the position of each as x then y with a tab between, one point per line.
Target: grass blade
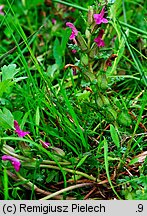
114	136
107	167
5	183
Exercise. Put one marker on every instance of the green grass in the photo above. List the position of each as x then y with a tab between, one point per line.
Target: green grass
95	121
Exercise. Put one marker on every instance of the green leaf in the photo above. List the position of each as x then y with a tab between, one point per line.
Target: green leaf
6	188
17	115
124	119
114	135
25	149
57	52
15	192
6	119
4	86
37	119
9	71
133	161
51	176
81	161
52	71
83	95
65	38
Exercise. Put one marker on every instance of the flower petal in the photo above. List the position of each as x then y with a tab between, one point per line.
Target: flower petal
99	41
99	17
15	162
74	51
74	30
104	20
45	144
54	21
102	12
1	12
19	132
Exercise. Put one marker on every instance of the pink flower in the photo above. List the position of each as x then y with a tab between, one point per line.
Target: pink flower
45	144
99	17
74	51
54	21
19	131
74	31
1	12
99	41
15	162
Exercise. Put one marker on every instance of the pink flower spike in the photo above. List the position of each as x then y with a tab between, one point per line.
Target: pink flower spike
45	144
74	31
99	17
1	12
19	131
99	41
15	162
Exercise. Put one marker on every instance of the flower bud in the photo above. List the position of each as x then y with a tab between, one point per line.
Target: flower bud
58	151
84	59
99	102
93	51
81	42
90	15
88	34
105	100
89	75
102	81
102	100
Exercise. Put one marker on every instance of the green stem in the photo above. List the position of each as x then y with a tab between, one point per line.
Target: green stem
66	189
133	28
5	150
71	5
30	184
65	169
